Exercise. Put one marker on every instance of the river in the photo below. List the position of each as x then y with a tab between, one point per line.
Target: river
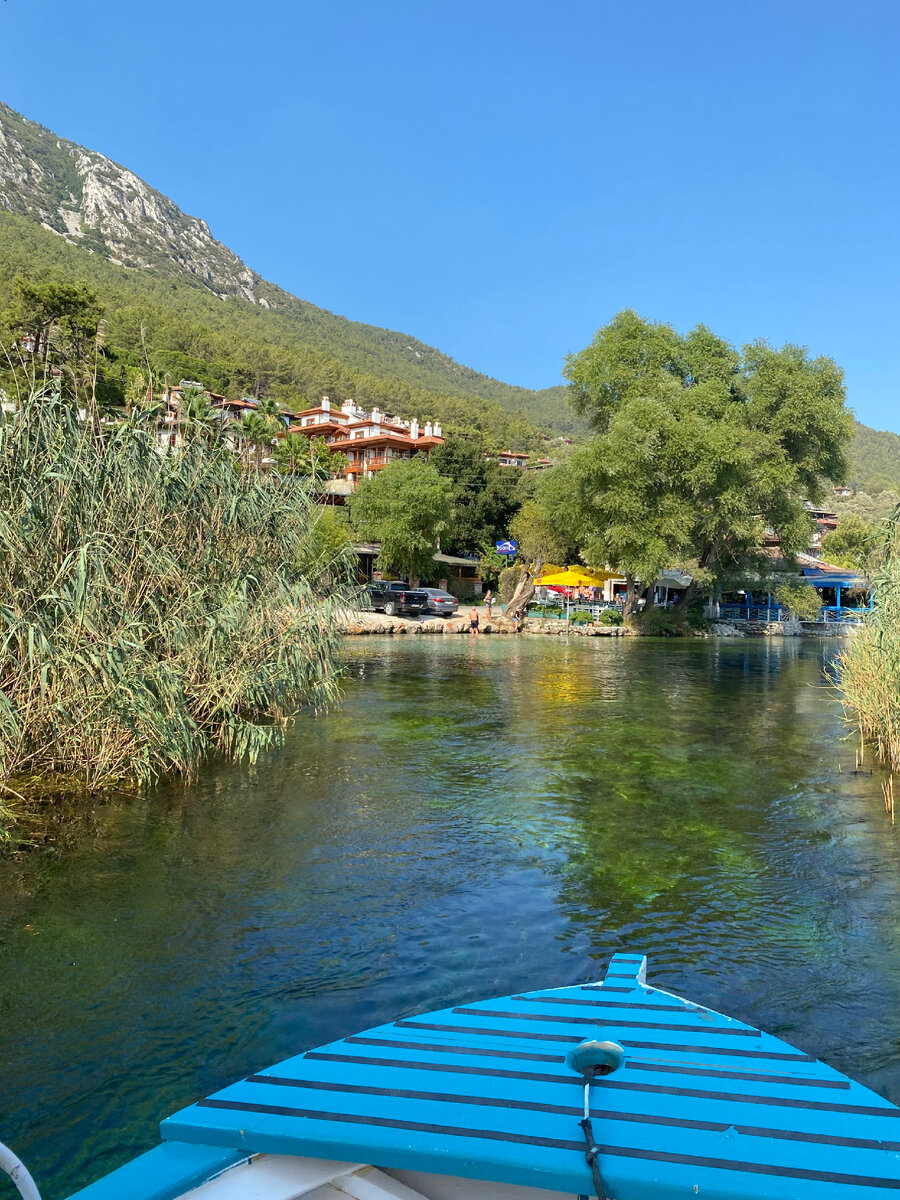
478	816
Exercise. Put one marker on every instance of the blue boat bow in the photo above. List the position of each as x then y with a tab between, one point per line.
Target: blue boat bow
702	1105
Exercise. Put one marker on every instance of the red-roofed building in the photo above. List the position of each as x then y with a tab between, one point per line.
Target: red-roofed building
370	440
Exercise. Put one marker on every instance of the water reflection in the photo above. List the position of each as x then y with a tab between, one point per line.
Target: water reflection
479	816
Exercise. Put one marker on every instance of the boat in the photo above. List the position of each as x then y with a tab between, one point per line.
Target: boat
614	1089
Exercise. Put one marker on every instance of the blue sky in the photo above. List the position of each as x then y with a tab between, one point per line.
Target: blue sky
500	178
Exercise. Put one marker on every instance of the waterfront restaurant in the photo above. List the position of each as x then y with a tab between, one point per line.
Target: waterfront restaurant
370	440
845	594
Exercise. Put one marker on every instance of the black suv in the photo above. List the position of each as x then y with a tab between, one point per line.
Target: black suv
393	596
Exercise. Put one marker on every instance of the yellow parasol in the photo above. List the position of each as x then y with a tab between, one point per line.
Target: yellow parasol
576	577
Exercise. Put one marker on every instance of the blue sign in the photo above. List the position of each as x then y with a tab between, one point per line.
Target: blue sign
507	547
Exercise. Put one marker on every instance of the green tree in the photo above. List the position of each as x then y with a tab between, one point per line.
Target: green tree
197	417
138	389
61	319
699	449
484	493
851	544
270	408
406	507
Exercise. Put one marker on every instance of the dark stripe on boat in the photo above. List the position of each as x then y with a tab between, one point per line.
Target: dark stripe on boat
554	1143
279	1110
486	1050
575	1111
613	1021
571	1039
615	989
612	1082
775	1056
409	1094
864	1110
455	1068
747	1076
657	1008
621	975
507	1033
727	1164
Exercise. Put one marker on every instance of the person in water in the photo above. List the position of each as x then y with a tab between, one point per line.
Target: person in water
473	621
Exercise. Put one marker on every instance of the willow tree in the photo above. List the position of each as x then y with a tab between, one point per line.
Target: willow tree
699	448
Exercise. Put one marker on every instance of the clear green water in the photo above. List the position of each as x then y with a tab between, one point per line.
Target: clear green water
476	818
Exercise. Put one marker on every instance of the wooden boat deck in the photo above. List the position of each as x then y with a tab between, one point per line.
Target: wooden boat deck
703	1105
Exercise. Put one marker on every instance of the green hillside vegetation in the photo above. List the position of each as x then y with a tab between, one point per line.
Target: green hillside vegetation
874	460
295	352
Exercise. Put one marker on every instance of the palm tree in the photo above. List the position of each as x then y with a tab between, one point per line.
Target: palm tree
267	407
292	454
197	415
257	432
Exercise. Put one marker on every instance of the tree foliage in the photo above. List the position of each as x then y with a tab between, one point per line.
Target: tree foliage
851	544
406	507
801	600
698	449
484	493
874	460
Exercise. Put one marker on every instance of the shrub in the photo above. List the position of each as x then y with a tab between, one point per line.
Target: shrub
610	616
582	618
801	600
660	622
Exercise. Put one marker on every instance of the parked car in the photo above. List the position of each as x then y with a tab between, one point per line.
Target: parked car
441	602
392	596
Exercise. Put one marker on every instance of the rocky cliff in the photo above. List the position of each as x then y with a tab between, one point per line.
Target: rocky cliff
89	200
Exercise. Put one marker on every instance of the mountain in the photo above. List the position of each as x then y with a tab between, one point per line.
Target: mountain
91	201
101	209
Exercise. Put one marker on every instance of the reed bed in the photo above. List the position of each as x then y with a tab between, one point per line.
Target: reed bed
869	670
155	608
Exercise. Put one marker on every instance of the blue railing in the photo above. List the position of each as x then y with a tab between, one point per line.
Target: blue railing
774	612
752	612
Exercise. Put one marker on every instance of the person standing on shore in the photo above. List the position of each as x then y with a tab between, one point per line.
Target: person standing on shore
473	622
489	604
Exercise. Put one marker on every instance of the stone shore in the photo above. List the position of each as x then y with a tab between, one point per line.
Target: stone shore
357	624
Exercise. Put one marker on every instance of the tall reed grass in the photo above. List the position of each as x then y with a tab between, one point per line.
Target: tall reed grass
869	669
155	608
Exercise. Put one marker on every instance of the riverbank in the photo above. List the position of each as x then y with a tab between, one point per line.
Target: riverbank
358	624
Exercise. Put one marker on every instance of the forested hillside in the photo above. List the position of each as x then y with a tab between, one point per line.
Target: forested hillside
231	346
874	460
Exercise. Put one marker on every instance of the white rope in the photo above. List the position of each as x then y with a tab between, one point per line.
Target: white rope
18	1173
